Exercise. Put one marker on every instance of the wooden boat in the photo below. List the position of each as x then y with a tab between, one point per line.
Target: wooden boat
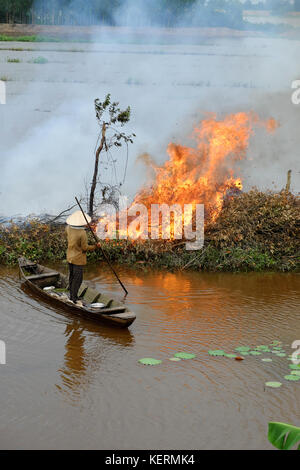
53	286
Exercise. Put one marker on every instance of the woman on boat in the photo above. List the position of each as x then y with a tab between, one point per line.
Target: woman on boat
76	253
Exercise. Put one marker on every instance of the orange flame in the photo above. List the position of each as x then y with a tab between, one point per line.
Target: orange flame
203	174
206	173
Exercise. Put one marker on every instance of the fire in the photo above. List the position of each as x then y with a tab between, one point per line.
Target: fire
206	173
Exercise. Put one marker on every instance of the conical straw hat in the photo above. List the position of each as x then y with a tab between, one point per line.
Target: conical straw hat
77	220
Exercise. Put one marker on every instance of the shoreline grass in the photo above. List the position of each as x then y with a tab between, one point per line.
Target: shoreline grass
256	231
39	243
33	38
13	61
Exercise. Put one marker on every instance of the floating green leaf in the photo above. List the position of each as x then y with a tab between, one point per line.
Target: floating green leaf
176	359
283	436
262	348
295	372
255	353
291	377
294	366
230	355
281	355
216	352
267	359
273	384
183	355
149	361
243	349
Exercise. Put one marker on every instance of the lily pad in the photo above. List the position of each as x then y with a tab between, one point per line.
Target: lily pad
295	372
175	359
281	355
216	352
267	359
262	348
273	384
291	377
149	361
277	348
230	355
255	353
243	349
183	355
294	366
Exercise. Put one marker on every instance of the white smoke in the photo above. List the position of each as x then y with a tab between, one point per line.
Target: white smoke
48	126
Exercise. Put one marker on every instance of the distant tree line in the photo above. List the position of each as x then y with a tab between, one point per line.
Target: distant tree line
275	6
141	12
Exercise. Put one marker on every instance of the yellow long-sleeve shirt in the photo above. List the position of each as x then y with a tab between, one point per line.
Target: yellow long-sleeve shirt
77	246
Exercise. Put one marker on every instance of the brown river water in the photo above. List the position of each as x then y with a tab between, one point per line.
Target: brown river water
69	383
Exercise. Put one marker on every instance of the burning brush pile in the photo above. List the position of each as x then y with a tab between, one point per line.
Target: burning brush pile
252	230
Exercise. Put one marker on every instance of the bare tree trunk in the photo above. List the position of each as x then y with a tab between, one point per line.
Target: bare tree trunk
288	182
94	180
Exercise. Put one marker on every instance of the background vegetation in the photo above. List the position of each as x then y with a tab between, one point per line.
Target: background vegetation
146	12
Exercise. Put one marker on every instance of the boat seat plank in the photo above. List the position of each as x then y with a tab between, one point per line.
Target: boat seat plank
42	276
90	295
81	292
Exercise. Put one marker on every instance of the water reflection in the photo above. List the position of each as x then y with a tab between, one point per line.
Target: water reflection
86	346
75	366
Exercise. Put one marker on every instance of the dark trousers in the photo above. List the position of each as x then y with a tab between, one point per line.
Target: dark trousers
75	280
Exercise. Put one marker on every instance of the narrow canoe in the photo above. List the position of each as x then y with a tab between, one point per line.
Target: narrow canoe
53	286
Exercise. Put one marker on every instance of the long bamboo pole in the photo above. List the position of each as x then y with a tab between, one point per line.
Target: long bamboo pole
103	252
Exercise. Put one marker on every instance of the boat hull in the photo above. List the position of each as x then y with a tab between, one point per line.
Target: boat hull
116	315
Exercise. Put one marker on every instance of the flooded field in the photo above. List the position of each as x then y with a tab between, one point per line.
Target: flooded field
51	88
69	383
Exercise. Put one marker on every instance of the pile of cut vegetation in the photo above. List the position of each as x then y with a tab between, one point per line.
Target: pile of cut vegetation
255	231
266	220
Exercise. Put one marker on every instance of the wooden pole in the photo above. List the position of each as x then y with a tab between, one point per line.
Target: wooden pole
105	257
288	182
